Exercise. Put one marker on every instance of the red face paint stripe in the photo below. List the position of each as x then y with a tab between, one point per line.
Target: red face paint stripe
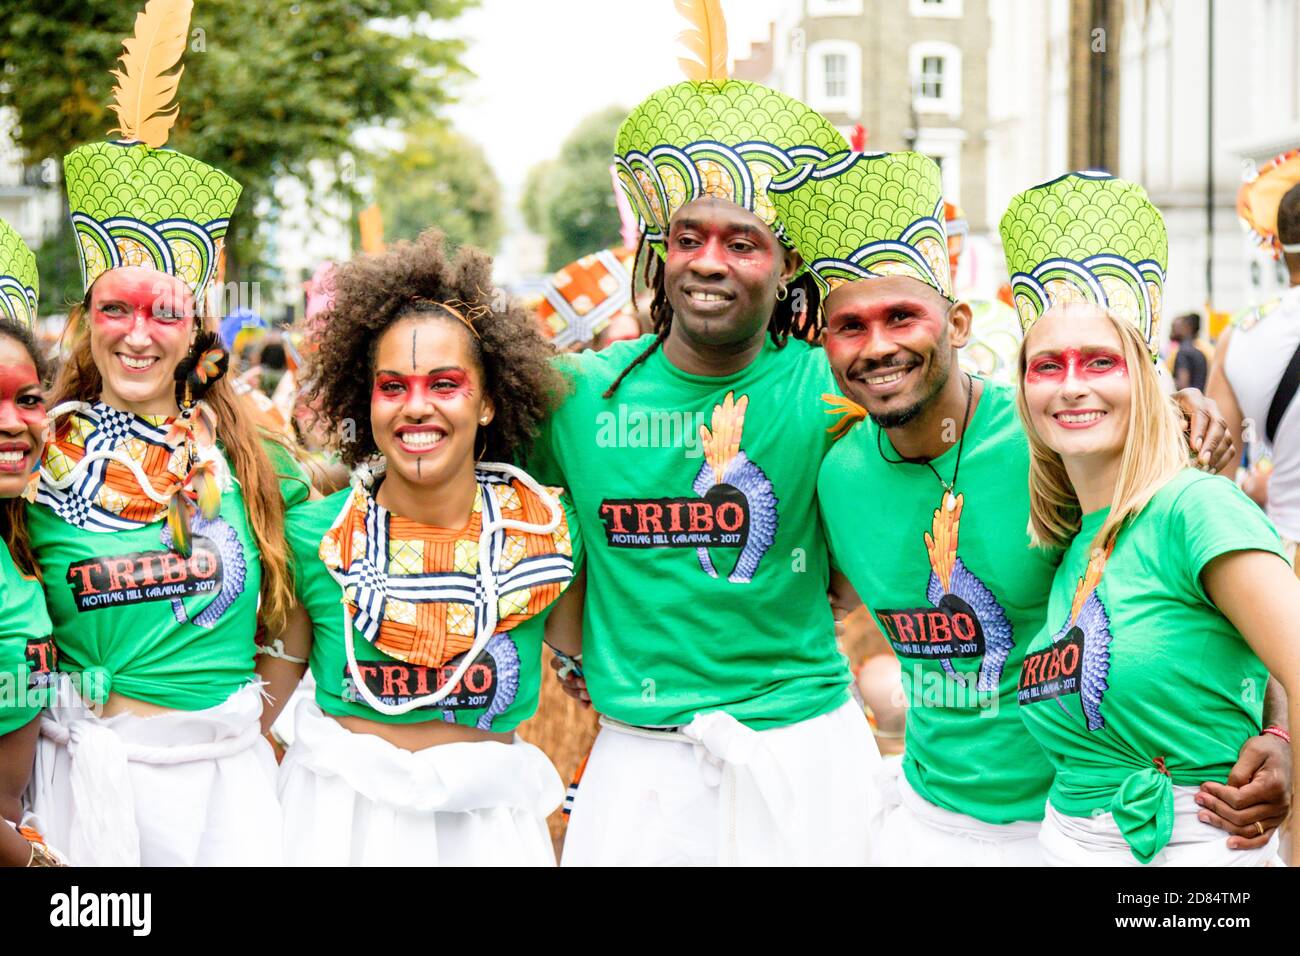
1088	363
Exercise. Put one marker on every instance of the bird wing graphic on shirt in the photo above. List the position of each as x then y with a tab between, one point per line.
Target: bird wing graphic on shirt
1088	615
725	465
233	567
949	575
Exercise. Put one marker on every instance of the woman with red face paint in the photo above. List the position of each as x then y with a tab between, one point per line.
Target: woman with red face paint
427	587
158	523
27	652
1173	600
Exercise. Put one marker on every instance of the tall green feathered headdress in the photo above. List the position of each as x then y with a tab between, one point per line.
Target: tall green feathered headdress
865	215
1087	237
713	136
19	284
134	203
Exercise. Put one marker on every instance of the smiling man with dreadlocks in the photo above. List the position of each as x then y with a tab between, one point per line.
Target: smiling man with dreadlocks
728	732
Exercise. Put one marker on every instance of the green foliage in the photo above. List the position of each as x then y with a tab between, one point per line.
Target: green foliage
570	200
441	179
267	86
60	270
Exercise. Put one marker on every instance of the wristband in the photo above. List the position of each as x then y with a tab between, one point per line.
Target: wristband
276	649
569	665
1276	731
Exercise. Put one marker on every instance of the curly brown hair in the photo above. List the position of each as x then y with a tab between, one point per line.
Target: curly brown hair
372	292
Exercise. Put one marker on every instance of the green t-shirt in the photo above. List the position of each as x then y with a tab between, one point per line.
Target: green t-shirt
958	626
498	692
295	483
706	587
133	616
28	658
1146	667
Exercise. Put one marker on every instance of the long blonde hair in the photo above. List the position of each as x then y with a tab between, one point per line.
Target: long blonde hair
79	380
1155	450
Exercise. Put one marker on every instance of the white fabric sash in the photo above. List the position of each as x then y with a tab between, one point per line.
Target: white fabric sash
104	829
1097	841
755	793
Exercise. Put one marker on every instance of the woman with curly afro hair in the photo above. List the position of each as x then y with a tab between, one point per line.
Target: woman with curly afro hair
428	586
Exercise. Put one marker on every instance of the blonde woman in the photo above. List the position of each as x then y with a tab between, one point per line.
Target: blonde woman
1173	600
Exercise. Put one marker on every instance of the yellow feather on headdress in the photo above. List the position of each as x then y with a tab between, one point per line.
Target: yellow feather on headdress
145	90
707	41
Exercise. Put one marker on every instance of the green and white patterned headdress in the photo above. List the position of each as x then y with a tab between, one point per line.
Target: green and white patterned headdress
866	215
713	136
725	139
1087	237
134	203
19	284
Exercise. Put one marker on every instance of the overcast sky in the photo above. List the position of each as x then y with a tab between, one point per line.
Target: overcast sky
543	65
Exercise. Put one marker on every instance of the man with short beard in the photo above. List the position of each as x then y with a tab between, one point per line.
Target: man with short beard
926	508
728	733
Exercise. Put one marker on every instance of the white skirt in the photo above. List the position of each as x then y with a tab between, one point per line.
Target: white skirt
1097	841
716	792
915	832
356	800
183	788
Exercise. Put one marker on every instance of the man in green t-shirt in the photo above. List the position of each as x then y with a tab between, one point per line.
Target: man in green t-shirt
926	508
729	735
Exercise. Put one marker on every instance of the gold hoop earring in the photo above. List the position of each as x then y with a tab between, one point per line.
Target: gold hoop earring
781	293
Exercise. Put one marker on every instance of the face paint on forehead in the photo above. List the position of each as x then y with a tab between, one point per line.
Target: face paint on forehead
1085	363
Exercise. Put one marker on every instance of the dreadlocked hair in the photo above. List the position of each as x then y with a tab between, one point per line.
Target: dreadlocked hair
13	511
798	314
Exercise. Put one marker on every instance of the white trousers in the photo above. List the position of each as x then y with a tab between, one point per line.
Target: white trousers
183	788
356	800
915	832
716	792
1097	841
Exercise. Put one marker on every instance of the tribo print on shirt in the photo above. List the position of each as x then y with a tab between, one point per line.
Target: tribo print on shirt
1078	660
963	619
417	599
42	662
734	505
108	497
490	684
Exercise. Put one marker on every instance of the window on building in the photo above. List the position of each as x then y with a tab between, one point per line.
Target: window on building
835	71
935	68
932	77
834	79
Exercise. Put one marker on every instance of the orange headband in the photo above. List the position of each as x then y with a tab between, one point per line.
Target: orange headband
450	309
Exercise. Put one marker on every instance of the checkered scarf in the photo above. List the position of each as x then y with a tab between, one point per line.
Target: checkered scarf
106	495
415	591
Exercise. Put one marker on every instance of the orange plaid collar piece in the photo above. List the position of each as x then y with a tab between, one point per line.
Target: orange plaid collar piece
95	471
413	588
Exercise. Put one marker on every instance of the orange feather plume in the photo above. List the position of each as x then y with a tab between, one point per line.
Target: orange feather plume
707	40
146	91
